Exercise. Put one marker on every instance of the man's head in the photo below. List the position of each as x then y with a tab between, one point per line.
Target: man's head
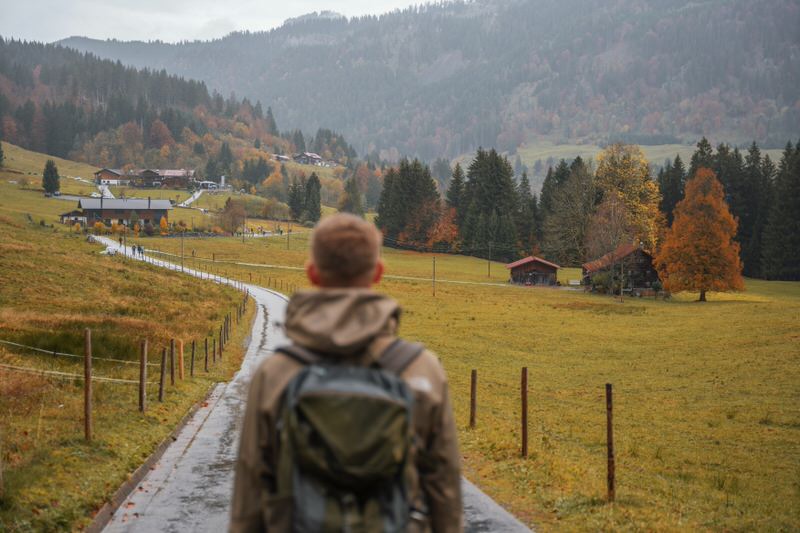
345	253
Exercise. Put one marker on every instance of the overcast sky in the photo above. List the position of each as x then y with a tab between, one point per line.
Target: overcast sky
167	20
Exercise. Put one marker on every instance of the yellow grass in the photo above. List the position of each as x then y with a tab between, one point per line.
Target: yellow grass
656	154
706	402
53	285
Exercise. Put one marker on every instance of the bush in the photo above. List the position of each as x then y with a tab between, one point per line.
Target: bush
603	282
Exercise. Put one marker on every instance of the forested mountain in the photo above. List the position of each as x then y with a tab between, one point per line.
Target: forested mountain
73	104
443	79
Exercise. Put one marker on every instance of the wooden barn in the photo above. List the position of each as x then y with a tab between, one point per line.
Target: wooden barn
108	210
533	271
635	264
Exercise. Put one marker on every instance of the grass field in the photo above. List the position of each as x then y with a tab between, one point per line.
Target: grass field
53	285
656	154
707	415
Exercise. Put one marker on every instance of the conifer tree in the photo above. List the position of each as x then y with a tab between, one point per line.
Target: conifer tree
351	201
50	178
699	252
780	257
759	195
524	215
272	127
565	229
312	210
703	157
2	156
296	198
455	191
671	182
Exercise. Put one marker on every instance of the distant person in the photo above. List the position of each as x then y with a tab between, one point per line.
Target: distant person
349	428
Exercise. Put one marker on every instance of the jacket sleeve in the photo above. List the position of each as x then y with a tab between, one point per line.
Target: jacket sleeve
441	480
252	471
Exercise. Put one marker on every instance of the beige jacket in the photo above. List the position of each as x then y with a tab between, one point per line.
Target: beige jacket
352	325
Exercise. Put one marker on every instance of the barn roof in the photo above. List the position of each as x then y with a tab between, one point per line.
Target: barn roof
622	251
137	204
116	171
531	259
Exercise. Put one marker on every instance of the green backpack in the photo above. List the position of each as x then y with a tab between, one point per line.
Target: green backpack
346	442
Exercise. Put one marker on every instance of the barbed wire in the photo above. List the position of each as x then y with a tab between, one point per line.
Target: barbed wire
67	375
64	354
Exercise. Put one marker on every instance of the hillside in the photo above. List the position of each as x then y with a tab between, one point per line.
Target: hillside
443	79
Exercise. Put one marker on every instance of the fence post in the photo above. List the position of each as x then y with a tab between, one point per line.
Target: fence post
163	375
221	346
524	392
473	388
143	376
610	443
180	360
172	362
191	365
214	350
87	384
205	367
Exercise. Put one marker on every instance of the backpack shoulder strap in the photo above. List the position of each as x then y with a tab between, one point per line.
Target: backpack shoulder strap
399	355
298	353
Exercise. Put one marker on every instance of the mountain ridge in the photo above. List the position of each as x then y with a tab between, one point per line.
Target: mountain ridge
443	79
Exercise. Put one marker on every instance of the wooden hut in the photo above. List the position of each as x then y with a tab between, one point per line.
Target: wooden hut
631	261
533	271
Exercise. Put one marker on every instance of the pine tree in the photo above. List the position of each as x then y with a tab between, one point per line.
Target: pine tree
703	157
2	155
524	215
455	192
257	144
759	194
312	210
548	189
351	201
272	127
671	183
50	178
780	257
565	229
296	198
699	252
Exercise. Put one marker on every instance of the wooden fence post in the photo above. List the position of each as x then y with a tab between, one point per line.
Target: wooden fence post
143	376
473	389
610	443
524	393
163	375
87	384
191	364
180	360
205	367
221	346
172	362
214	350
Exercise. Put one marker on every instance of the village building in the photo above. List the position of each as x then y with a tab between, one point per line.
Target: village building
533	271
124	211
73	217
282	158
111	176
309	158
631	261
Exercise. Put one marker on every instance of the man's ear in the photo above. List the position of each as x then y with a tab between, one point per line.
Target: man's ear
379	269
313	274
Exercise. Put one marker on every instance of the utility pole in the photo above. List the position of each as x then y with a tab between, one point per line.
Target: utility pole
489	263
434	276
182	232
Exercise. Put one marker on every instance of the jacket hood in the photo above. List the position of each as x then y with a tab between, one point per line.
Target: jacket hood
341	322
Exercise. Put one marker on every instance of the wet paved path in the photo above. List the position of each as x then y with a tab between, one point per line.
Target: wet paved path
190	488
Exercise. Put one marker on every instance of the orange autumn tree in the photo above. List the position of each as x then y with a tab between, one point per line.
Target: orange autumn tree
699	253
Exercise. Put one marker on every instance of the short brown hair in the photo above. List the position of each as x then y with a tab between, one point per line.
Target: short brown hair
345	249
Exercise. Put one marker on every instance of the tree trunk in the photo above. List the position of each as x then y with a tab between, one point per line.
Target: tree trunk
702	295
